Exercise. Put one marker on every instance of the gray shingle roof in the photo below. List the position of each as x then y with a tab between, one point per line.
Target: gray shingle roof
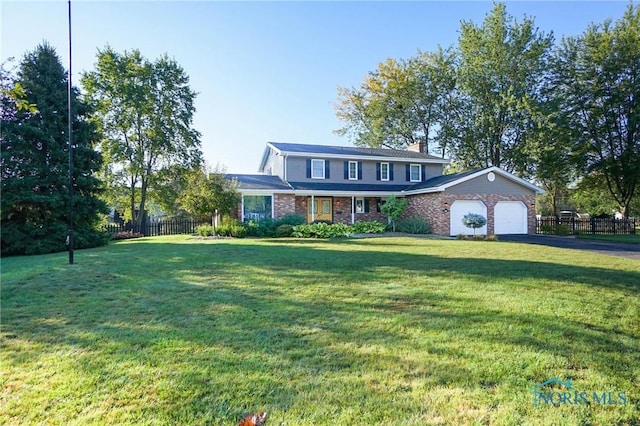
265	182
437	181
351	151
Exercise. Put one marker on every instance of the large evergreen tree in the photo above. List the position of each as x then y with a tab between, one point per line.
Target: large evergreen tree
35	158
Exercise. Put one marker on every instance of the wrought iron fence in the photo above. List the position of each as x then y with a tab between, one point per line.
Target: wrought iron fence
156	228
574	226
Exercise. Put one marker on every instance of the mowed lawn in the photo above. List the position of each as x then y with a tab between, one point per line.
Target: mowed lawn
380	331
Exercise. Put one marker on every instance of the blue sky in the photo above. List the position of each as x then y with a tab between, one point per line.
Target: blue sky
268	71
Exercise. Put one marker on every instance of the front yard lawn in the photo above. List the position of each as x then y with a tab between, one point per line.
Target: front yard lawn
630	239
381	331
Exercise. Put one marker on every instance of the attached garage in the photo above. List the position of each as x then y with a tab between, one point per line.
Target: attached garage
510	217
459	209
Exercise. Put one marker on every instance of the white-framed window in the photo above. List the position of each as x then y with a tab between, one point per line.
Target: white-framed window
384	171
415	172
359	205
317	169
353	170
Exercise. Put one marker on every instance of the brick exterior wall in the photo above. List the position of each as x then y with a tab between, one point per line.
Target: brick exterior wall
284	204
431	206
428	206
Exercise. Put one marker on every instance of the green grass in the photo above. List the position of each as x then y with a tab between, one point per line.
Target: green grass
630	239
381	331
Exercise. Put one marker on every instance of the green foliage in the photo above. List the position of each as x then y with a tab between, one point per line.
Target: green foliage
284	230
393	208
477	237
145	112
322	230
269	227
35	162
596	84
474	221
207	192
501	65
401	103
291	219
126	235
205	230
369	227
230	227
414	225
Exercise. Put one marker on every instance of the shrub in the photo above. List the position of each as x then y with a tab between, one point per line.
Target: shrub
393	208
126	235
477	237
284	230
371	227
322	230
230	227
414	225
291	219
205	230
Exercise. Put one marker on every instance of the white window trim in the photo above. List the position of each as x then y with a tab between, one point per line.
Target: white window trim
419	166
359	200
322	169
355	170
382	173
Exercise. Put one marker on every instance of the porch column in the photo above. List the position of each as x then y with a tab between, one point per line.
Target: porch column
313	212
353	209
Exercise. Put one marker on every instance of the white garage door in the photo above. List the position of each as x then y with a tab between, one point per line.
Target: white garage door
510	217
459	209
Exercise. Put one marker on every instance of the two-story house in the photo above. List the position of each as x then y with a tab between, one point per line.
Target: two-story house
349	184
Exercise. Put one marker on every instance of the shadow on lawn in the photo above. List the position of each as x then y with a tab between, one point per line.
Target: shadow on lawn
278	312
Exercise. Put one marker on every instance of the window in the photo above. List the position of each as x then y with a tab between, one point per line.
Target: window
317	169
256	207
353	170
359	205
416	172
384	171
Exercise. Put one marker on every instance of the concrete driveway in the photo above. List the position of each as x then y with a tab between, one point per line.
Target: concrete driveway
629	251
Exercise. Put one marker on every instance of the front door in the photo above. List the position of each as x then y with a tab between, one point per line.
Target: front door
320	209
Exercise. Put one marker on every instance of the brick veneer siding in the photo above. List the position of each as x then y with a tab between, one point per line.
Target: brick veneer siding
431	206
342	210
284	204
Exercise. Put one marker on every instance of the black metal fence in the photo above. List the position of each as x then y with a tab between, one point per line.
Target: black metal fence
156	228
574	226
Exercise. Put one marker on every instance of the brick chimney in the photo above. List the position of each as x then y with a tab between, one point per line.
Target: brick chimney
417	147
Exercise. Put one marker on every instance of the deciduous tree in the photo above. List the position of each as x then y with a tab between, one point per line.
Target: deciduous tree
598	81
145	111
500	72
402	103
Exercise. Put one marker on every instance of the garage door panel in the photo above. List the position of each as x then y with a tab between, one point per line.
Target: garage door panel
459	209
510	217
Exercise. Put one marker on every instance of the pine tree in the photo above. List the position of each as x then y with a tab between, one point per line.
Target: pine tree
35	158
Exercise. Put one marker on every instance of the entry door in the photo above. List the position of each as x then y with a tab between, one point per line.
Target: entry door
322	209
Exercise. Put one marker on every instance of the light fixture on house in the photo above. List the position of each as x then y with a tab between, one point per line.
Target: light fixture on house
446	208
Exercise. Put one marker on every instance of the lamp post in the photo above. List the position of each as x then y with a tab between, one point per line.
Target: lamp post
70	117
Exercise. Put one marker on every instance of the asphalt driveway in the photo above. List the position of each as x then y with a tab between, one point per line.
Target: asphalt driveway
630	251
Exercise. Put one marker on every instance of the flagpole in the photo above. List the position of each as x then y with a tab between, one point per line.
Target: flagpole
70	117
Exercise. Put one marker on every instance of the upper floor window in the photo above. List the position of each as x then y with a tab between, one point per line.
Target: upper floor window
384	171
353	170
317	169
415	172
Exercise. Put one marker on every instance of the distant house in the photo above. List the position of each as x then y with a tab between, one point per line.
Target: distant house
349	184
